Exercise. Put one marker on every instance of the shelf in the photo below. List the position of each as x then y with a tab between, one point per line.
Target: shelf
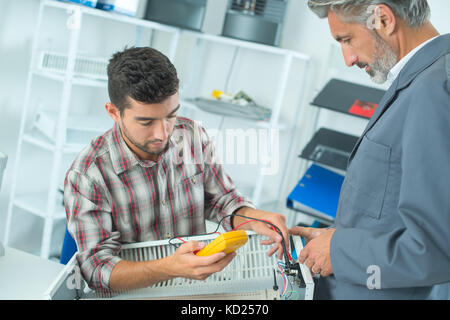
111	16
36	203
47	120
331	148
38	139
250	112
86	67
76	80
343	96
191	104
49	75
89	123
246	44
80	81
80	130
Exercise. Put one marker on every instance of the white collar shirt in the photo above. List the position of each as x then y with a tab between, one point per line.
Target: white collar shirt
395	71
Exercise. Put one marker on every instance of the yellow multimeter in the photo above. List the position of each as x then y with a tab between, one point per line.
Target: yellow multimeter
226	242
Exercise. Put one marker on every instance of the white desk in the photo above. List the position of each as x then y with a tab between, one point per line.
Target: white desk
24	276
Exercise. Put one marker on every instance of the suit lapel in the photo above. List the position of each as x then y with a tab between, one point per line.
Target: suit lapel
419	62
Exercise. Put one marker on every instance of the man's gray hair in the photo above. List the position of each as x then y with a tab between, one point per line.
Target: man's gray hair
414	12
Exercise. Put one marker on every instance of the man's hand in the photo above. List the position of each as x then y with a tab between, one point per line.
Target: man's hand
316	253
184	263
263	228
127	275
307	233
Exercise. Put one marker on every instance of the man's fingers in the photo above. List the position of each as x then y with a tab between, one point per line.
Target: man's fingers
191	246
300	231
325	273
273	235
277	247
274	238
220	261
315	270
309	263
273	250
304	253
211	259
280	252
267	242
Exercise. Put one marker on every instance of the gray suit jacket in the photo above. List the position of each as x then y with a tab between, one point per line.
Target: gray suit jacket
392	238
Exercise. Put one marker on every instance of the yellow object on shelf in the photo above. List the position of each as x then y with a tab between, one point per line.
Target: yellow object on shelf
216	93
226	242
220	95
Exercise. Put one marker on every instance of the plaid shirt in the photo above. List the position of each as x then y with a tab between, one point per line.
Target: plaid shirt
112	197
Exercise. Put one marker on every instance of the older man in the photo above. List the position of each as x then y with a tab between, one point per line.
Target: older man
391	239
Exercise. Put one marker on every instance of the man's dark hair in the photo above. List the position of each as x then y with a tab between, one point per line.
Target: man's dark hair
144	74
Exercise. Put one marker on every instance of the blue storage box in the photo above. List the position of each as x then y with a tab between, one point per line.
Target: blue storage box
87	3
126	7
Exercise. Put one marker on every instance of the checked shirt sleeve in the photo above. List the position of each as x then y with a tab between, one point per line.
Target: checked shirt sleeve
90	223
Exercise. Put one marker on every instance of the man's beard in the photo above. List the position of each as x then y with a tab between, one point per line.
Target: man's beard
384	59
144	147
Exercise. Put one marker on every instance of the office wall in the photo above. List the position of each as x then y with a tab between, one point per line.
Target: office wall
303	32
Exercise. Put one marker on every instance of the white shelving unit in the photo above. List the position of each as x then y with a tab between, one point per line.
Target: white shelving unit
51	134
238	53
54	94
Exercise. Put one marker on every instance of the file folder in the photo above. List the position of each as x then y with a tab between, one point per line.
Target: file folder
317	193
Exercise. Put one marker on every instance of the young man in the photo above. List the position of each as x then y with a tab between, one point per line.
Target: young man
391	239
152	176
